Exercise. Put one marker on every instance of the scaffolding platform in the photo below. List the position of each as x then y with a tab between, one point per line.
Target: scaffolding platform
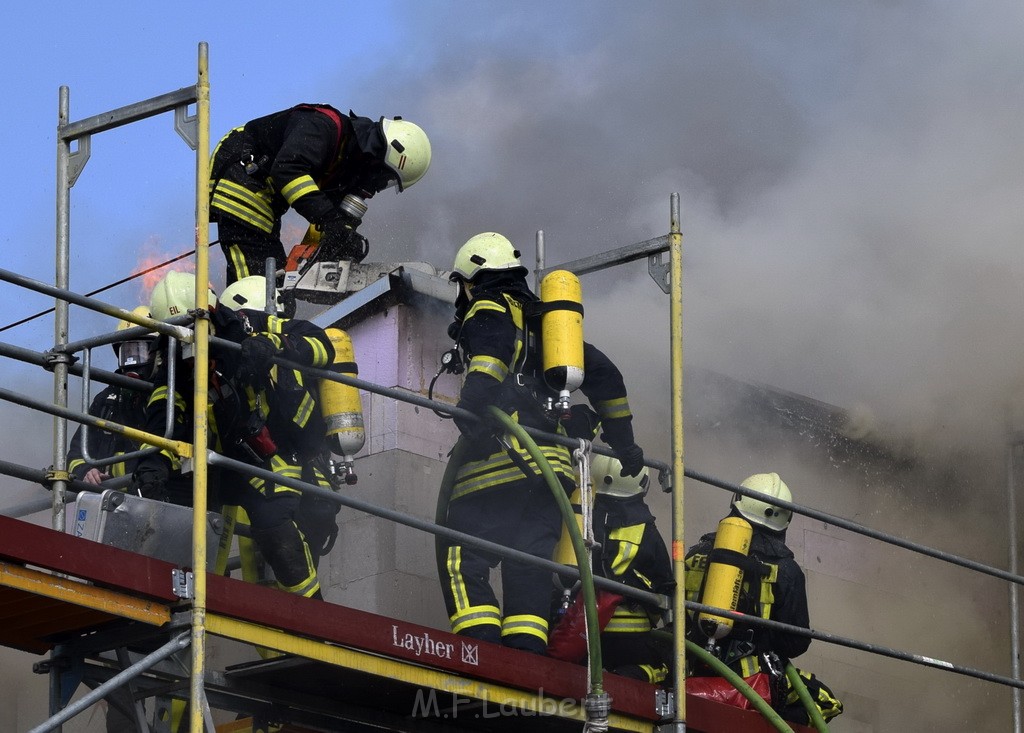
339	666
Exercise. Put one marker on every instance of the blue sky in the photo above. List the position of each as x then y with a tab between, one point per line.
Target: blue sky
850	173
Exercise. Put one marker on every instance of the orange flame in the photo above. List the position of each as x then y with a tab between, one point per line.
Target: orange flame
150	257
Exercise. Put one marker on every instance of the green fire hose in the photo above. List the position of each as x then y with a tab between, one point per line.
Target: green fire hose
805	697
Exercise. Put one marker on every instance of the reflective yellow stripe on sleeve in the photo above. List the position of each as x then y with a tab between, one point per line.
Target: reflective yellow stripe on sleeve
297	188
614	408
490	366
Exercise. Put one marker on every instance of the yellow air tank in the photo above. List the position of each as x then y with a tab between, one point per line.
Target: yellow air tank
564	553
724	579
340	404
562	333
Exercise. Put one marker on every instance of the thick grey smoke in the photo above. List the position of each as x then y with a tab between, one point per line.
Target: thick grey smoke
850	181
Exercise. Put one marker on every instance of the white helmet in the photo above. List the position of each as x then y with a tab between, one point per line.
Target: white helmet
761	512
485	252
408	150
175	295
606	471
249	293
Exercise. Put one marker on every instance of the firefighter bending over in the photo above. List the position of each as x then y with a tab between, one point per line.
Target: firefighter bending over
316	160
773	587
499	493
262	414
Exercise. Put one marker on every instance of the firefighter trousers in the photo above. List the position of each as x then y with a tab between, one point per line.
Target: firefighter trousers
522	515
247	249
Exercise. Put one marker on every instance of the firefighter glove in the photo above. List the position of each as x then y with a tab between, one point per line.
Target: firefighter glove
257	357
632	459
150	479
339	240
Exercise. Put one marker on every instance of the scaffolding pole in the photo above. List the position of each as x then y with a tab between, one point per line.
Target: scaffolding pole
678	546
202	375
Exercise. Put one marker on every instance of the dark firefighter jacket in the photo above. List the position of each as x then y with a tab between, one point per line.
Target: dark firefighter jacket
306	157
779	593
115	404
502	350
634	553
286	402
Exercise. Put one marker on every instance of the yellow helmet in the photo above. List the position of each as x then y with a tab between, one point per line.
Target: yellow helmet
485	252
606	471
761	512
136	350
175	295
139	310
249	293
407	152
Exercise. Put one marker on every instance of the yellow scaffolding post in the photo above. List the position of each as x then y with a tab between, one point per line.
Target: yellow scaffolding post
675	239
199	395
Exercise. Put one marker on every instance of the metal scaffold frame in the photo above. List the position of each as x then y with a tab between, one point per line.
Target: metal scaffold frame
160	609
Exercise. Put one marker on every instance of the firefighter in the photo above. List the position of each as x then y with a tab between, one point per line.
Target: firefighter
316	160
632	552
499	493
261	413
116	404
773	588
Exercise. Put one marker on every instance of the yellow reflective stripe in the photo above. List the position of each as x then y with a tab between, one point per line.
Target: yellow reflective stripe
251	207
749	665
628	623
475	616
242	214
238	260
258	201
220	142
306	587
768	581
319	351
275	324
282	468
305	410
117	469
483	305
629	539
525	624
490	366
75	464
613	408
160	393
499	469
297	188
458	584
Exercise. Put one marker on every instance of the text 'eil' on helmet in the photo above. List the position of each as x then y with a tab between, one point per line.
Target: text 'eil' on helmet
175	295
